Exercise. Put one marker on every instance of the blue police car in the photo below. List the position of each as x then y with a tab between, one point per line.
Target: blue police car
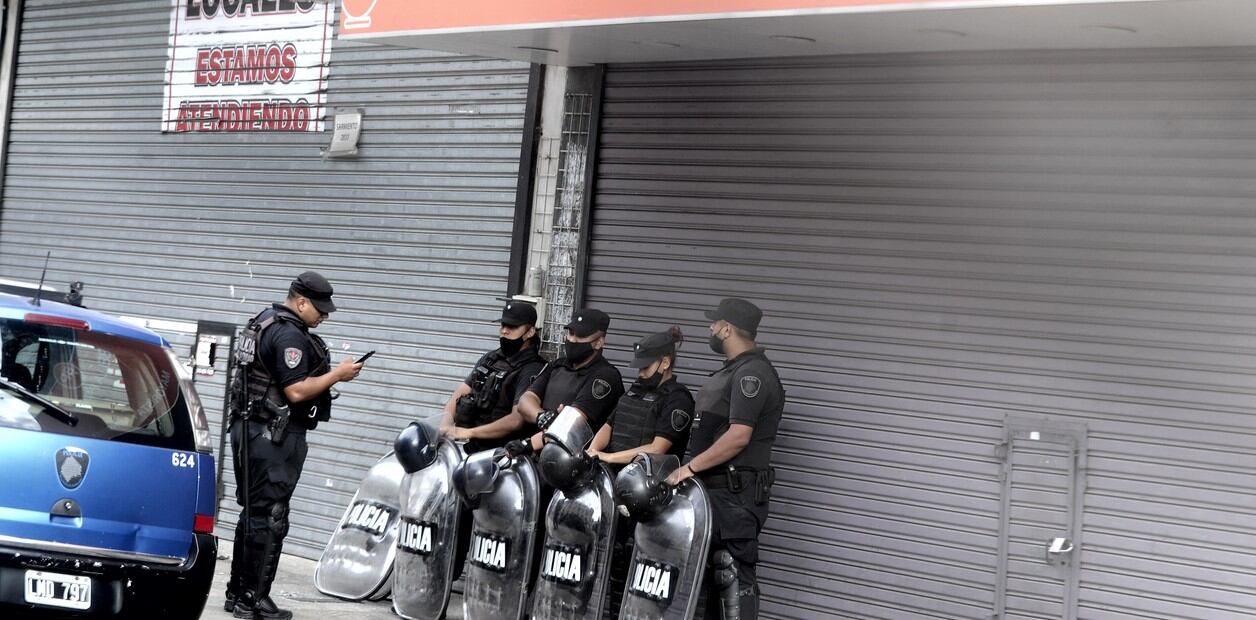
106	471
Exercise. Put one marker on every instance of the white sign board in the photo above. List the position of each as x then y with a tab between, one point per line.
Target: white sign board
346	127
247	65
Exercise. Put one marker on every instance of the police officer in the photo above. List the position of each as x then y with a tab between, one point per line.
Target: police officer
476	410
285	391
654	414
481	410
738	411
581	378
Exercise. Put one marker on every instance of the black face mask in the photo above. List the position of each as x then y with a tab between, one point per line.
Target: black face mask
651	382
577	352
510	347
717	345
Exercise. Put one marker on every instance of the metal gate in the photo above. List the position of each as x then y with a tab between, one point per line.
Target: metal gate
939	241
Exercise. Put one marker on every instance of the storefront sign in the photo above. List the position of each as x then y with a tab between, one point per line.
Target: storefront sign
247	65
375	17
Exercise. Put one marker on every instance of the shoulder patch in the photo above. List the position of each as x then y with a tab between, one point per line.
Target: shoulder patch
292	356
750	386
680	419
601	388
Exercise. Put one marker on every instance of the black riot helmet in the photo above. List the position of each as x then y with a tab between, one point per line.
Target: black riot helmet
475	475
414	448
641	488
563	463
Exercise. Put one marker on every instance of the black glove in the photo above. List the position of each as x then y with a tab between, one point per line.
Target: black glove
545	418
519	447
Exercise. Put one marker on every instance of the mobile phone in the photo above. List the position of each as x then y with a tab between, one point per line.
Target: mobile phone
362	360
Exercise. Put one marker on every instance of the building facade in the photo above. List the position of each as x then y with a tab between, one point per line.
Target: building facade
1004	253
414	233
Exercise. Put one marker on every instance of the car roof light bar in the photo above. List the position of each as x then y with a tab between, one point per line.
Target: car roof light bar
57	321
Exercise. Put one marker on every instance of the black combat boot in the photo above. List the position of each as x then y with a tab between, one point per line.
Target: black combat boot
262	609
241	572
233	590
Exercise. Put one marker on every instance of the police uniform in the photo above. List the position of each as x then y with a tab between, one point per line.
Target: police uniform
646	411
594	388
745	390
499	379
497	382
267	474
650	408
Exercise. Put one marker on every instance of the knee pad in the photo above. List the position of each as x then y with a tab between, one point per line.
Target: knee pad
278	521
723	568
724	574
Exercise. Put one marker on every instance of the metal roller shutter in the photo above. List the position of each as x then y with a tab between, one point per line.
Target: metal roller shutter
943	244
414	233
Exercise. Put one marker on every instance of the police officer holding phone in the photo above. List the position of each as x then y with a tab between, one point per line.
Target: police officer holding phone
738	411
281	390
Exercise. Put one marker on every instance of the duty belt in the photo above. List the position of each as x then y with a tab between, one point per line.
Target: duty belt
738	479
292	429
728	477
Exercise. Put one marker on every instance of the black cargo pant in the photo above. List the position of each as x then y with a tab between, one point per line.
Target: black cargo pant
736	520
265	478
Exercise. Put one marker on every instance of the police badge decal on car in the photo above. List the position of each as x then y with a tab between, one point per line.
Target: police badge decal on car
72	466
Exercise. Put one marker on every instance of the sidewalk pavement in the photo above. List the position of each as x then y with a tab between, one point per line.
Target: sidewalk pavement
294	590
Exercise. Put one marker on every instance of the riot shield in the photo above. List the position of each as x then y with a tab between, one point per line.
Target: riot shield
357	563
575	565
427	538
503	532
669	558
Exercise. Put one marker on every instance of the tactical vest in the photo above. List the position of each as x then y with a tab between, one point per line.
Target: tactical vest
635	418
256	378
319	407
480	407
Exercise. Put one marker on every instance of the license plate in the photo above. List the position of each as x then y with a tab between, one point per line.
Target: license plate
54	590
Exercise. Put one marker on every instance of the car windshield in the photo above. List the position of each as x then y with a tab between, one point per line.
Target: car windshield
119	389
